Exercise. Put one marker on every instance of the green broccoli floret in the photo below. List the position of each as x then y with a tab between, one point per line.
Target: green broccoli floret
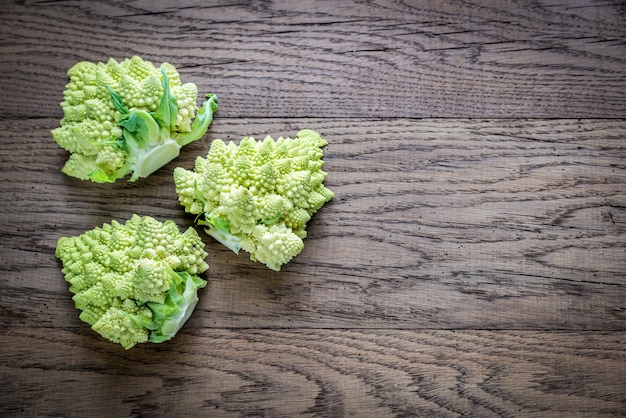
257	196
127	118
134	282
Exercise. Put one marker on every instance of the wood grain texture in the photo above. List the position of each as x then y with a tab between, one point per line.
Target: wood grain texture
501	224
329	373
479	58
472	263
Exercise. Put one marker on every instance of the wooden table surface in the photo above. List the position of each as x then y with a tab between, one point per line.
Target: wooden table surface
472	262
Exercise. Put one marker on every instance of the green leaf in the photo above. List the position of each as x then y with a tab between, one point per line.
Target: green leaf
272	220
117	143
201	122
180	302
100	176
167	111
118	102
199	197
140	129
142	321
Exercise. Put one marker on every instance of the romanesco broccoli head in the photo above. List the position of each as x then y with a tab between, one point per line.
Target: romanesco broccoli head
258	195
127	117
134	282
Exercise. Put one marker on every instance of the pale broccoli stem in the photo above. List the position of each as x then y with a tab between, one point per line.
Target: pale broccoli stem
220	230
148	145
180	302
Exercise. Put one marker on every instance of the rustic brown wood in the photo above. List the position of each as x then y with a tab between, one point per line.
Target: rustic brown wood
436	223
472	263
479	58
318	372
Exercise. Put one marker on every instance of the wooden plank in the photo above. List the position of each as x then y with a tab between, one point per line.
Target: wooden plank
499	224
468	58
257	372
